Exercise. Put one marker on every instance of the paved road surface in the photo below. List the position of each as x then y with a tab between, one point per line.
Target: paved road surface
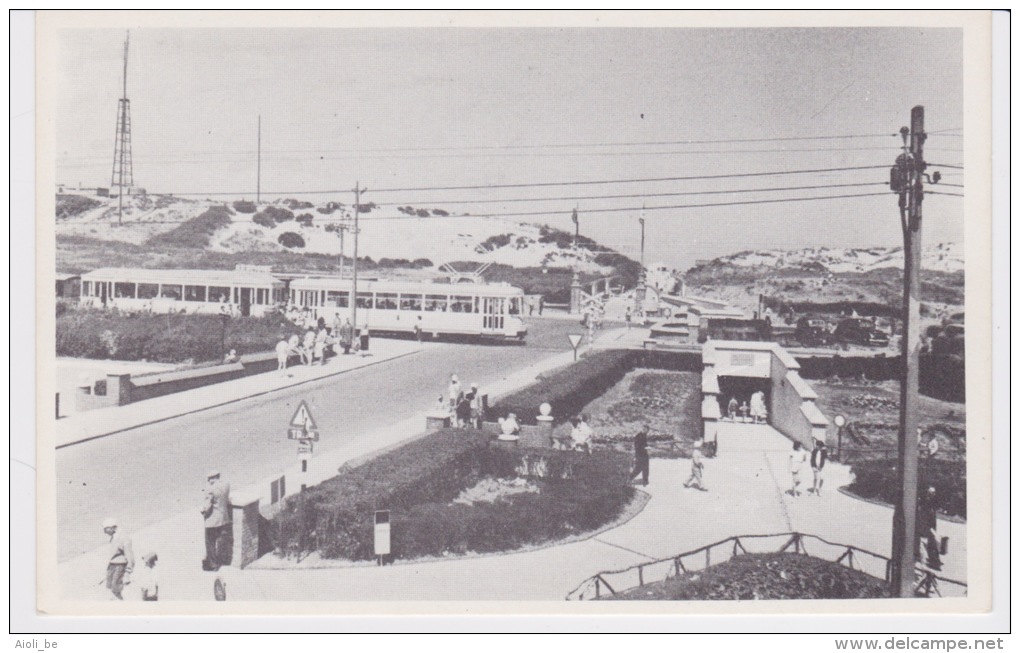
150	473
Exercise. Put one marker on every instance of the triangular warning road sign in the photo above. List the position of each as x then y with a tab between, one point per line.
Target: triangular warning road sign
303	418
575	339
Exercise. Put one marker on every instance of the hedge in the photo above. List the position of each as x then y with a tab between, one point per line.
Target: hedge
876	479
417	483
569	390
170	338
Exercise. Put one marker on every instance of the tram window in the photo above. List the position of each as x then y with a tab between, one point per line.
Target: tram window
220	294
148	290
364	300
86	288
410	302
386	301
262	296
171	291
194	293
435	303
123	289
337	298
515	306
461	304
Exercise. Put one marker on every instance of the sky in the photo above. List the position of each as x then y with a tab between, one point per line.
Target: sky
428	108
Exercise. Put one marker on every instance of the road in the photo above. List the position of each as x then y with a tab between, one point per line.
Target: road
147	474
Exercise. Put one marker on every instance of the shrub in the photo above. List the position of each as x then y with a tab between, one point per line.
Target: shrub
171	338
329	208
440	212
418	481
876	479
69	206
421	263
495	242
297	204
569	390
196	232
305	219
244	206
291	240
263	220
422	213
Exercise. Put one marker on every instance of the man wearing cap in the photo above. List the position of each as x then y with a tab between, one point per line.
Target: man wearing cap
121	558
218	526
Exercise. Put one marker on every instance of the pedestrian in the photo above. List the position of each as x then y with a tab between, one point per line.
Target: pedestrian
541	303
641	456
218	524
347	336
477	406
463	411
454	392
320	345
798	457
282	355
758	410
363	337
308	346
731	409
320	323
120	560
147	580
418	329
442	407
335	331
745	411
696	479
582	434
628	316
818	457
927	530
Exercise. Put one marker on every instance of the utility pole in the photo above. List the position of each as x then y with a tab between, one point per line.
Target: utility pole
358	190
258	165
907	179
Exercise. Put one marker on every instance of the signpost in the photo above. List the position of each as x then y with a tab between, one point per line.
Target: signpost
304	430
382	535
575	340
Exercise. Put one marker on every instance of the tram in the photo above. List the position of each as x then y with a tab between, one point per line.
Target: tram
234	292
404	307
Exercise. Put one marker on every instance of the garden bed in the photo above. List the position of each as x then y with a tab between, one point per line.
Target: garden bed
870	441
763	576
668	402
456	492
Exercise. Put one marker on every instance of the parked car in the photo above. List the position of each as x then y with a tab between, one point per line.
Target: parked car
858	331
812	331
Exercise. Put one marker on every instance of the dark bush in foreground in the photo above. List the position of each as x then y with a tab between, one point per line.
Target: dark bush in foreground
175	338
570	389
418	481
194	233
876	479
764	576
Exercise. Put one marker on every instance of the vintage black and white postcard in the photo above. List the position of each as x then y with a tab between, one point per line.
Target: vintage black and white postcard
481	312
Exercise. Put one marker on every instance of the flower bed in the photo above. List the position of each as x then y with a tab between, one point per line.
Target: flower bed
764	576
877	480
420	484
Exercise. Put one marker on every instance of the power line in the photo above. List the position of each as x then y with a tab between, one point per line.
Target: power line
944	165
641	195
935	192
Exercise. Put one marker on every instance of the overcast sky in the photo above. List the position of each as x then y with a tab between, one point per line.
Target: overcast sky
400	108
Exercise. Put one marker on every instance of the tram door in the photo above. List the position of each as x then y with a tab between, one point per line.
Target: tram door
246	301
492	313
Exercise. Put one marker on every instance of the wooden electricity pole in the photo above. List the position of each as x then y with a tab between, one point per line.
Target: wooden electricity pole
358	190
258	165
910	168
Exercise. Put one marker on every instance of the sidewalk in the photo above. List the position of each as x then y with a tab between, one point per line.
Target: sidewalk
88	425
746	482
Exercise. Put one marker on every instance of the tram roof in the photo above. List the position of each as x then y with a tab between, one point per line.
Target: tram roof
333	283
189	277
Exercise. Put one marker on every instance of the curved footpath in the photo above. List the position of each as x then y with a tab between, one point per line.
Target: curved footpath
747	484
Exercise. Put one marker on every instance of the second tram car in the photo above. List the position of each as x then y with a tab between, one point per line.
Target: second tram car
434	308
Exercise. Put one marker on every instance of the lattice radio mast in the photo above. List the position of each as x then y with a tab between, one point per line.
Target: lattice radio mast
122	176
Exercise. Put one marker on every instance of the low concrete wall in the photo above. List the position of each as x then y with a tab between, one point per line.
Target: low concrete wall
793	411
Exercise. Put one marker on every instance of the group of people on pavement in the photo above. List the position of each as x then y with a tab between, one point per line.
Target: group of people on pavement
219	543
755	411
800	460
466	408
319	342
